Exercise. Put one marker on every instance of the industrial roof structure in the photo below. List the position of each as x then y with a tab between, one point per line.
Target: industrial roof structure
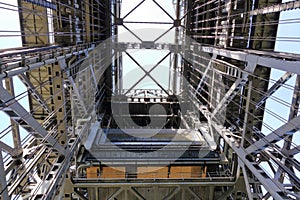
169	105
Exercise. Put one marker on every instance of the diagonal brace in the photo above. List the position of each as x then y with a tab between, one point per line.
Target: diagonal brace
7	148
231	93
18	112
146	72
130	31
274	88
163	10
285	130
293	151
134	9
136	193
172	193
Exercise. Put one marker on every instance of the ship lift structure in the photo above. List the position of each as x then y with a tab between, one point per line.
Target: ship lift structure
172	104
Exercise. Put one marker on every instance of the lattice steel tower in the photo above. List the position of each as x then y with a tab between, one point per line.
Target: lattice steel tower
149	99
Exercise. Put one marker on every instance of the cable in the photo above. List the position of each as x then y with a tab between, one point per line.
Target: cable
245	98
242	122
83	34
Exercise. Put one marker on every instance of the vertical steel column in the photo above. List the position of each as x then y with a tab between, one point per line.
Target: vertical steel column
3	183
177	23
15	127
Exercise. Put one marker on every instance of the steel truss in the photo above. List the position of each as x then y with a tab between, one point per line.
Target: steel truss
62	115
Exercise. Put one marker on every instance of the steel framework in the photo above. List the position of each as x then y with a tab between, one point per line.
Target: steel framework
79	130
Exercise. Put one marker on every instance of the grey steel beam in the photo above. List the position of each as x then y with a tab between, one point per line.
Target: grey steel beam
293	113
93	74
211	193
16	111
275	188
230	94
193	193
276	8
268	61
3	183
172	193
133	9
227	193
9	167
28	166
251	56
155	192
204	75
174	70
275	61
136	193
136	22
237	85
246	180
34	92
130	31
267	196
183	192
31	57
295	101
250	84
14	126
76	96
187	9
147	73
53	182
281	166
159	37
7	148
15	70
79	194
86	183
262	58
293	151
126	194
163	9
283	79
285	130
114	195
286	149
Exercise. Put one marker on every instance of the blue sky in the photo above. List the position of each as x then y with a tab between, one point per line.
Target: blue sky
286	30
284	93
9	21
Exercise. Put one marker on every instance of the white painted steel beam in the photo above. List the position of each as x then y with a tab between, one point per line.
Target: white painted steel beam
285	130
283	79
16	111
272	186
